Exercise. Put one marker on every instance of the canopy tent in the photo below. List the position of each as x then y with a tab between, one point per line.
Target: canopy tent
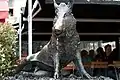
92	18
3	10
111	2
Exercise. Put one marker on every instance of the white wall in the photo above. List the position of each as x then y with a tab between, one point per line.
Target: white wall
111	43
17	5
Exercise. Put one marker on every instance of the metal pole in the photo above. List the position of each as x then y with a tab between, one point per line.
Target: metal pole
118	48
81	34
29	27
20	38
82	20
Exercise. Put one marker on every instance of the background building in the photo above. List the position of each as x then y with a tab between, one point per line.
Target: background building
4	10
15	9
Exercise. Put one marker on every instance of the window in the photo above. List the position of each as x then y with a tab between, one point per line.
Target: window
11	12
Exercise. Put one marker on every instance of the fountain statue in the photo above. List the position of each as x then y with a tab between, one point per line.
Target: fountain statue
63	47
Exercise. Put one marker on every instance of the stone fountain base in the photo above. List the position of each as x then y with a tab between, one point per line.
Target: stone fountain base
31	76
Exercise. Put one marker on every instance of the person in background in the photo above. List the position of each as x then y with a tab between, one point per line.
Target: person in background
100	54
99	57
85	60
108	50
84	56
91	55
110	55
113	56
109	59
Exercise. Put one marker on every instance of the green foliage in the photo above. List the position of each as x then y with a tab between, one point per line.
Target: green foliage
8	40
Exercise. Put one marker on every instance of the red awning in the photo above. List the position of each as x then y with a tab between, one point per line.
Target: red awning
3	14
4	9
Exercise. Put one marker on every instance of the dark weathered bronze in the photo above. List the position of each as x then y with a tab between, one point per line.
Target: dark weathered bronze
64	45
